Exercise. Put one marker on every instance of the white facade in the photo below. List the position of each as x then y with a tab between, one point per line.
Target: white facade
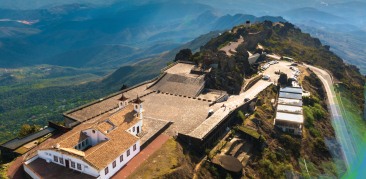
119	164
65	159
73	157
122	104
294	130
139	109
95	136
81	166
289	115
135	129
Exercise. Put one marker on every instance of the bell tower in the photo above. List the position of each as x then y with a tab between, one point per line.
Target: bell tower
138	107
123	101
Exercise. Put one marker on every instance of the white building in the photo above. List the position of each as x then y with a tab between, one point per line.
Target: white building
97	148
289	115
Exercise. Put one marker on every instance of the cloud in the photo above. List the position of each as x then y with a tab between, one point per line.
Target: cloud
324	3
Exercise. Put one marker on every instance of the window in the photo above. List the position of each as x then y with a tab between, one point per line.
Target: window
79	166
106	170
133	129
134	147
72	164
128	152
79	146
55	158
114	164
121	158
61	160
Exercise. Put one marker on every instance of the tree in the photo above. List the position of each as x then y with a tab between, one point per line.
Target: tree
184	55
27	129
283	79
123	87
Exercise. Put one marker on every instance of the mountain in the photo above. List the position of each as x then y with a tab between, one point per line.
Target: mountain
48	90
83	36
35	4
354	11
329	16
309	13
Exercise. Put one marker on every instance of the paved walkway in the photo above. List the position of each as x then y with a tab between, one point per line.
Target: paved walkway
15	169
141	157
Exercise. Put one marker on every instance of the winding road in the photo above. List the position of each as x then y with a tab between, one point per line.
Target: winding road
342	132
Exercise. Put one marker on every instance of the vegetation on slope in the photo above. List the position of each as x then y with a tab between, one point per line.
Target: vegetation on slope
287	153
170	161
35	95
279	38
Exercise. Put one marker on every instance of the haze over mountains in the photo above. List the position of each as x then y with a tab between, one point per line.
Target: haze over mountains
338	23
59	54
80	33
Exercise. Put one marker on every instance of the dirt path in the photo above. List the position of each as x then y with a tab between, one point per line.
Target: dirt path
229	48
132	165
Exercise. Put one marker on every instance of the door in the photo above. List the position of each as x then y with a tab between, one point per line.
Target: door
138	129
67	163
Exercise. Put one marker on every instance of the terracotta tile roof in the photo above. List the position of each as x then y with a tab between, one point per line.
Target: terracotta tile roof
105	127
105	105
137	100
102	154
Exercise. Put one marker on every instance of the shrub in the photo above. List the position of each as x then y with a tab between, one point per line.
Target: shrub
241	115
310	101
283	79
28	129
309	117
314	132
320	145
292	144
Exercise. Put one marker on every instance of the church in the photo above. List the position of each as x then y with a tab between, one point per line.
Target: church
94	149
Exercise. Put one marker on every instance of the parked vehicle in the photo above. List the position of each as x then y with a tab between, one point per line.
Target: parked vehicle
266	77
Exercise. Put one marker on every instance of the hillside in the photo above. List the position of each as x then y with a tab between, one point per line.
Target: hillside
285	39
284	155
47	91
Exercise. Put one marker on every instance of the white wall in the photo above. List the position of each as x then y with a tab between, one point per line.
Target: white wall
138	124
119	165
95	137
297	131
85	167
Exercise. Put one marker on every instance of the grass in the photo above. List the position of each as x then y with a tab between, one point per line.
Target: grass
311	170
3	168
249	131
164	161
